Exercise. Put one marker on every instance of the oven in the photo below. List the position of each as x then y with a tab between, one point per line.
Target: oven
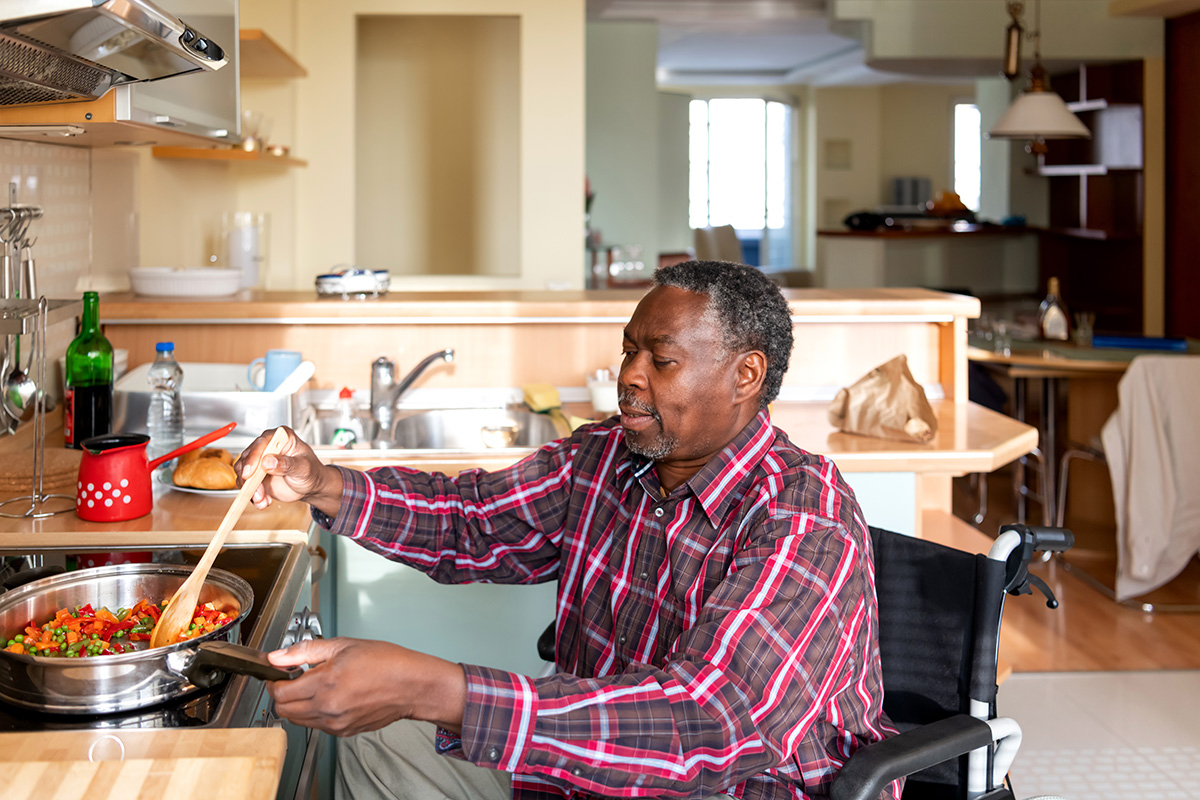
280	573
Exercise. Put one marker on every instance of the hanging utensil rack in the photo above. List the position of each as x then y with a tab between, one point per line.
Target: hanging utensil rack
22	314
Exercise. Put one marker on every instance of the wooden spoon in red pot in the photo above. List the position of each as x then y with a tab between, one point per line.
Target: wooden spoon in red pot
178	613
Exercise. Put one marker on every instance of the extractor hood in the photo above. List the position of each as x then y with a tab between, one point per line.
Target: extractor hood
53	50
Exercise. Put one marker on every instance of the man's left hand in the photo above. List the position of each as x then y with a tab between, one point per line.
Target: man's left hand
357	685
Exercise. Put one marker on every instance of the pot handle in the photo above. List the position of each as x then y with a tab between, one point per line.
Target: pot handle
203	440
214	659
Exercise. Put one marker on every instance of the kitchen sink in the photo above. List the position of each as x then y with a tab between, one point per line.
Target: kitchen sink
457	429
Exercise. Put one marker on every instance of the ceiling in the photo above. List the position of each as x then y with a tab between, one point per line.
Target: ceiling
749	42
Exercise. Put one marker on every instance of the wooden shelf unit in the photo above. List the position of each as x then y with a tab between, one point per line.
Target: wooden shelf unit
227	154
263	57
1097	197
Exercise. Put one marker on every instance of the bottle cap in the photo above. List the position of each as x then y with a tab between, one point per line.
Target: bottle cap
345	394
164	347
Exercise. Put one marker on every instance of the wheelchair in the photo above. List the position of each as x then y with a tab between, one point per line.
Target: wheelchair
939	632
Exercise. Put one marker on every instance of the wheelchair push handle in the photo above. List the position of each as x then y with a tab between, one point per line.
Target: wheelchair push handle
1051	540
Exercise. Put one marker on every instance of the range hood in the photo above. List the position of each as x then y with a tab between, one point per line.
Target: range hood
54	50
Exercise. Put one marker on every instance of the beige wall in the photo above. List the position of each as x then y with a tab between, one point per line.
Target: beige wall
849	131
918	121
549	155
437	122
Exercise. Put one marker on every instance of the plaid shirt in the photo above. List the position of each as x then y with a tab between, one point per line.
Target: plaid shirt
721	639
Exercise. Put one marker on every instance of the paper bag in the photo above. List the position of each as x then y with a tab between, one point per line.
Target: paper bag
886	402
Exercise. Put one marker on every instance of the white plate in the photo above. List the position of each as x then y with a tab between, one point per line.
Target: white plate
172	282
164	476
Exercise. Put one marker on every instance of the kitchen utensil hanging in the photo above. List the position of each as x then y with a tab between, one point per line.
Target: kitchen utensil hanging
40	504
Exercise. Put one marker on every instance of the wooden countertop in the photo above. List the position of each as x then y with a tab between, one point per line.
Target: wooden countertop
970	438
143	764
489	307
177	517
923	232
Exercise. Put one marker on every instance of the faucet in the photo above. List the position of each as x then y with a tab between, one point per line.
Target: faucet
386	391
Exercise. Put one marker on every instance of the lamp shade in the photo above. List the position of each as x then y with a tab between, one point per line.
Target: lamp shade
1039	113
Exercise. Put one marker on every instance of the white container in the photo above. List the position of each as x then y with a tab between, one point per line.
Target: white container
245	237
176	282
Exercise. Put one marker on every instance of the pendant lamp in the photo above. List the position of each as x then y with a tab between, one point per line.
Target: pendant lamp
1037	114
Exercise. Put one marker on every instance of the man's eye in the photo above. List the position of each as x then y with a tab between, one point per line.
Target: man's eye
663	362
628	353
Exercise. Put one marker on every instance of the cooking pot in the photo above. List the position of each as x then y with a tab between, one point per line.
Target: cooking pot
105	684
114	475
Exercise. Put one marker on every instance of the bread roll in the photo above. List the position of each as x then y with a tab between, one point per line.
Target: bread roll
219	453
205	473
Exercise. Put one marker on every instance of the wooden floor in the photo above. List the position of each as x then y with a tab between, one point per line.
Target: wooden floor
1089	631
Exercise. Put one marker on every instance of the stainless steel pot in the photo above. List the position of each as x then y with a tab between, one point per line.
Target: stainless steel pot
105	684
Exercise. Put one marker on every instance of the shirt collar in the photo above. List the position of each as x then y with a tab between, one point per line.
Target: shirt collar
716	484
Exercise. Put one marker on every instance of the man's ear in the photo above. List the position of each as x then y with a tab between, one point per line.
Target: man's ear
751	371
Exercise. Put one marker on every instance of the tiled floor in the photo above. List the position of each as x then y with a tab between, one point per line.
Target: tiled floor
1106	735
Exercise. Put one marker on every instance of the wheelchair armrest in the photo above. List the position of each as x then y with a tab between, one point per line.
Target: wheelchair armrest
873	767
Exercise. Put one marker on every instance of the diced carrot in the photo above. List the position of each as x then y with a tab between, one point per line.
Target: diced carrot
72	637
16	648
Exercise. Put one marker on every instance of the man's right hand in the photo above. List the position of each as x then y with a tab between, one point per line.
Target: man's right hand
295	473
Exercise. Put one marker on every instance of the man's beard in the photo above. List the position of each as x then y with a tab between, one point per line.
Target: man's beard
661	446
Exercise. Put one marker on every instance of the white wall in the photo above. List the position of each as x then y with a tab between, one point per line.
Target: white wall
622	134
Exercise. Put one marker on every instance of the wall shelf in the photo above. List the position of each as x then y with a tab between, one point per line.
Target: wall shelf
227	154
262	57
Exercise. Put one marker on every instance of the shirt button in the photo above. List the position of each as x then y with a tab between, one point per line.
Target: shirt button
493	754
621	640
577	772
645	576
658	512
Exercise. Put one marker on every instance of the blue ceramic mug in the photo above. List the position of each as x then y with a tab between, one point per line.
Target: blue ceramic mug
272	368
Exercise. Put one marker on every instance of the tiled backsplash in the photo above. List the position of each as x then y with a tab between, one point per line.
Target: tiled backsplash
78	189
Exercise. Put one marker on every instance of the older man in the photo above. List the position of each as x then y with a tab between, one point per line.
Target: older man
716	617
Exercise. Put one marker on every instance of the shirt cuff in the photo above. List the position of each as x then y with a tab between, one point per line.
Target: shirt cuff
499	718
356	489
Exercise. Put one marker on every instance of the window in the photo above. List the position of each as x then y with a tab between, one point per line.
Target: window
740	173
967	139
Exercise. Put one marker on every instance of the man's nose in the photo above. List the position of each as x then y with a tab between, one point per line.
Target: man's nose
633	373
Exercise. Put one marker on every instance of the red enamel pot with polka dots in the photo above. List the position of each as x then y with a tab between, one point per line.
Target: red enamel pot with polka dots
114	475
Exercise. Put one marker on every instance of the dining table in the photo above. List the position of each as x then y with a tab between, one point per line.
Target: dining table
1050	363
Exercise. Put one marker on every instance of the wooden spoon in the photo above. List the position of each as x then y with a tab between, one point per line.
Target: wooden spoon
178	613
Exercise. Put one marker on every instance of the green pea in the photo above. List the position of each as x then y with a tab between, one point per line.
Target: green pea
20	637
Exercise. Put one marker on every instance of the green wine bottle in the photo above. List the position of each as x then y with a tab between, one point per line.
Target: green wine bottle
87	407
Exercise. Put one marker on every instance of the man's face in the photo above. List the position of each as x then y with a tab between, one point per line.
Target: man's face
677	384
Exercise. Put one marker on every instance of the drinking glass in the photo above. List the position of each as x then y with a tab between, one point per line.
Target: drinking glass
1083	328
1001	337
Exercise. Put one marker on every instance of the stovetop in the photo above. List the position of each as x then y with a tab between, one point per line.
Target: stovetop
276	573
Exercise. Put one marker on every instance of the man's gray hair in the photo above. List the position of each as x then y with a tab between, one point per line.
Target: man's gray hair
750	310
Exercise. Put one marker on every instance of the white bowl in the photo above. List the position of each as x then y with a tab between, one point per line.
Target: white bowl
178	282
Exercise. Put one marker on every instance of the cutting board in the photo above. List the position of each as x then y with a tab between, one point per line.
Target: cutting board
215	764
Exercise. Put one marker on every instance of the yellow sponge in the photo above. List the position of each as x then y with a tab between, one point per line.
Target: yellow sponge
541	397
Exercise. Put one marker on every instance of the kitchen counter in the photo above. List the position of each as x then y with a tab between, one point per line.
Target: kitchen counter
267	307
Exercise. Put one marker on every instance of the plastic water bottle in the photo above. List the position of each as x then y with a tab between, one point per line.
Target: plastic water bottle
164	417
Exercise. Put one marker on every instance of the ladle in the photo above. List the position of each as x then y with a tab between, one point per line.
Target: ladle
178	613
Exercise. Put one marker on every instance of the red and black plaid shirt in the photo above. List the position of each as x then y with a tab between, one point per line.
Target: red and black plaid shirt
722	639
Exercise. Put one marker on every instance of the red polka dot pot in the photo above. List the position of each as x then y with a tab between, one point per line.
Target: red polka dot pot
114	475
114	478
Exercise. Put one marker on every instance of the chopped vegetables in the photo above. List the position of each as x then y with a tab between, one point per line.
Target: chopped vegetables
84	631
